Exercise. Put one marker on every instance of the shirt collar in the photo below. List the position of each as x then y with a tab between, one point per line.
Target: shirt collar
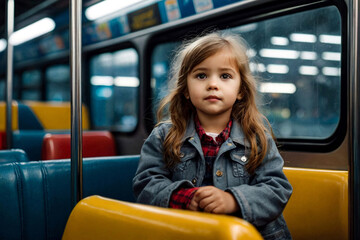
222	137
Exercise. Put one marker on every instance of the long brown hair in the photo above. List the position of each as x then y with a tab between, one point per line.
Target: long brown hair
244	111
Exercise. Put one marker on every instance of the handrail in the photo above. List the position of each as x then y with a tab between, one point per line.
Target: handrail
354	179
10	9
76	113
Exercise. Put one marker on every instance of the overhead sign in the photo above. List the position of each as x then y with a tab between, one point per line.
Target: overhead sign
144	18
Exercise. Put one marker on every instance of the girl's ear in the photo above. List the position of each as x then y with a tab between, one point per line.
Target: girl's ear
186	94
239	96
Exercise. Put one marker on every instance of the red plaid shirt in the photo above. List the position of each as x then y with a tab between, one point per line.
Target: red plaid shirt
182	198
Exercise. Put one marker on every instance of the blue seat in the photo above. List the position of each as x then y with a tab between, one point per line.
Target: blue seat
30	141
27	119
35	200
13	155
30	135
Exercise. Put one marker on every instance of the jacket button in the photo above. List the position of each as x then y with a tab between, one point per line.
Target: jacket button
243	159
219	173
194	181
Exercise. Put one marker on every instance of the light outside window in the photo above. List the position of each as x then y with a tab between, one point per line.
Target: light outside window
114	90
58	83
297	59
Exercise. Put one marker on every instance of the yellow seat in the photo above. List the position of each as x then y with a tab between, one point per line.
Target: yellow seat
56	115
318	208
15	125
52	115
100	218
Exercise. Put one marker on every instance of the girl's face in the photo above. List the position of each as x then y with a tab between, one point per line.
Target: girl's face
213	85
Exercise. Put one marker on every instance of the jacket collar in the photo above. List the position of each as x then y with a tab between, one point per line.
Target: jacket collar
236	135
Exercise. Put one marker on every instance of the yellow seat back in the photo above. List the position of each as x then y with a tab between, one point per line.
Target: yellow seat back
100	218
15	125
318	208
56	115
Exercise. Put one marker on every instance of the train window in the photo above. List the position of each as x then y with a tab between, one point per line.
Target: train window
161	60
31	85
16	87
114	90
58	83
297	58
2	89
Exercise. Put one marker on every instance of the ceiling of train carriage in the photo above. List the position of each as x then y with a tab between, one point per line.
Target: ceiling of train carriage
21	6
26	8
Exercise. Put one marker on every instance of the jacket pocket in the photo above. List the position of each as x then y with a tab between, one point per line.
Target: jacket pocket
185	159
186	168
239	161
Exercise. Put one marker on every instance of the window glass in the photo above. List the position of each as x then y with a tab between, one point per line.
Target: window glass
15	88
114	90
31	85
297	59
58	83
161	59
2	89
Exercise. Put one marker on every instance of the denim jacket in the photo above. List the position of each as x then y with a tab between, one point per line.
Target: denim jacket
261	196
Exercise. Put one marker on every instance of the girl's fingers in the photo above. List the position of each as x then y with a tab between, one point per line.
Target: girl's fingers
194	206
210	207
203	192
213	200
217	209
204	202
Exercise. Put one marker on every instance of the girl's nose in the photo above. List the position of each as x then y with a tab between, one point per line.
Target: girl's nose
213	84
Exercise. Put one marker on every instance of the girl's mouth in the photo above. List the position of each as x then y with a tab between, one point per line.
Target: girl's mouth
212	98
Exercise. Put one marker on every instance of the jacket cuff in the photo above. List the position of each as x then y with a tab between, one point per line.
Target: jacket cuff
181	199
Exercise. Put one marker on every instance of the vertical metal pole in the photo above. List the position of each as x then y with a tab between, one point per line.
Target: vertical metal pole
10	8
76	113
354	184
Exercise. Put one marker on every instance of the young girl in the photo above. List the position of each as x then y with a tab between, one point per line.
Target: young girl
215	153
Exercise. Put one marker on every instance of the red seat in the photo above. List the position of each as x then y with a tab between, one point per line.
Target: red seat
2	140
95	144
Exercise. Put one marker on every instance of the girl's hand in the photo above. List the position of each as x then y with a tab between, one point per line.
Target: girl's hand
213	200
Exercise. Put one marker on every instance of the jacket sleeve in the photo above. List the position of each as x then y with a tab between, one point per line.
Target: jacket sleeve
266	195
152	182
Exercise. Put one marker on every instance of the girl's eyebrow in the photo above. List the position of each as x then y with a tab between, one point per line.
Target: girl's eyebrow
205	69
227	69
199	69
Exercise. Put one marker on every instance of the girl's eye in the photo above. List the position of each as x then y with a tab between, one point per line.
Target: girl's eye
225	76
201	76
